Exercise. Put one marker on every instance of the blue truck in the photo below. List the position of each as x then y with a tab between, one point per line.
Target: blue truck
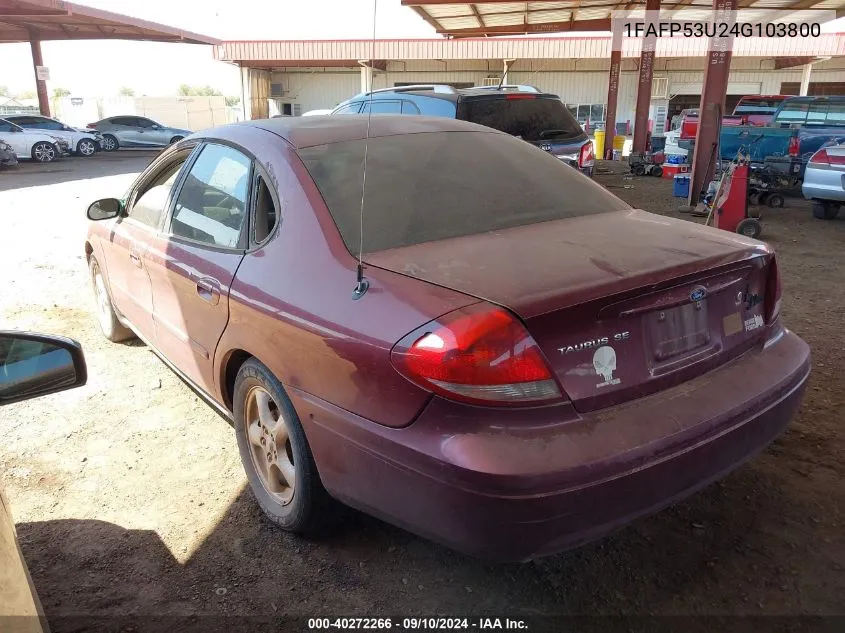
799	127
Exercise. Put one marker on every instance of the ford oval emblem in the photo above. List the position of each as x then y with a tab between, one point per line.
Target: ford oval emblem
698	294
546	147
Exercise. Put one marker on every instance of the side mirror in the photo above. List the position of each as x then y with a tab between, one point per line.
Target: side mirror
105	209
156	127
33	365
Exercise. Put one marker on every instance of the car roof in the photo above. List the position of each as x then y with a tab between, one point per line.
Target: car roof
309	131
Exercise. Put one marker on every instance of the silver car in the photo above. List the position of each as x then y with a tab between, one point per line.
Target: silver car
79	142
136	131
824	181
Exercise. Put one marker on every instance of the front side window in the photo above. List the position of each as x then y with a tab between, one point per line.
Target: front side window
151	199
5	126
145	123
212	203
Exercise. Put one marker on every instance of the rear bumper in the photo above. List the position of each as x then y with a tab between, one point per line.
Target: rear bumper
513	485
823	184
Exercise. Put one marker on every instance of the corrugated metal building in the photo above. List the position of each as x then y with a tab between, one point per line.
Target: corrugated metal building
304	75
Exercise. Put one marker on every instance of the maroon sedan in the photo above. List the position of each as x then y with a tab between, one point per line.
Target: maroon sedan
527	364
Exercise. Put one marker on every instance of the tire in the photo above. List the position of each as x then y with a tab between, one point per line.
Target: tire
657	171
44	152
110	143
775	201
86	147
110	325
175	139
825	209
304	506
638	170
750	227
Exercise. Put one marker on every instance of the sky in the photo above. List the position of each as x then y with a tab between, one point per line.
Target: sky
101	68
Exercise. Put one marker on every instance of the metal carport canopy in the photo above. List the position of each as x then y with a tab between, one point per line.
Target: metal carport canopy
506	17
36	20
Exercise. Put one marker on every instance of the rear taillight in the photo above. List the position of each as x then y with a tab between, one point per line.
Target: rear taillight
820	158
794	146
511	97
586	158
772	301
480	354
91	126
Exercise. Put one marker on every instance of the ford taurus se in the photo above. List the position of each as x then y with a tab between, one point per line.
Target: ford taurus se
521	364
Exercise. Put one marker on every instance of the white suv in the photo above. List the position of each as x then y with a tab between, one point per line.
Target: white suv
33	144
80	142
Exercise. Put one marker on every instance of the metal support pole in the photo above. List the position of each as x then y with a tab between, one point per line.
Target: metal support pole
246	105
712	106
366	76
805	79
649	43
40	85
612	94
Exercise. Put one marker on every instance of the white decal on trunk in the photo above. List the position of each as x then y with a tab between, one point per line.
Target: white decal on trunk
753	323
604	362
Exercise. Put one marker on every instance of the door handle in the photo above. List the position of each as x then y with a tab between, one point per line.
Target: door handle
208	289
135	257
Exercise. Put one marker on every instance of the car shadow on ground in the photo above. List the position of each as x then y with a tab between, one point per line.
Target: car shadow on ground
249	575
32	174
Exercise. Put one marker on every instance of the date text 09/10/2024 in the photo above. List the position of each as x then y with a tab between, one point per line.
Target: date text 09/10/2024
417	624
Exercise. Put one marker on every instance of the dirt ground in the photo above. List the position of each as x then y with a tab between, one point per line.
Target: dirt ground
130	498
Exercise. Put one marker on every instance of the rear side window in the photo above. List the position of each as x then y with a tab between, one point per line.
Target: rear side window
382	107
419	189
529	118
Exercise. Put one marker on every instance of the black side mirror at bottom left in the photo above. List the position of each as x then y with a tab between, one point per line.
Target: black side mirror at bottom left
105	209
33	365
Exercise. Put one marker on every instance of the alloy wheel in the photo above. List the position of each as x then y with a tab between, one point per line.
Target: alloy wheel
108	143
87	148
44	152
269	438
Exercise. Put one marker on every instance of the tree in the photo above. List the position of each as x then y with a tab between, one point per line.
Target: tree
60	92
4	91
232	101
186	90
27	94
126	92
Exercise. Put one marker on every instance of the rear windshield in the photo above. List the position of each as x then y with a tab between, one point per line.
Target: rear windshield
531	119
757	106
437	185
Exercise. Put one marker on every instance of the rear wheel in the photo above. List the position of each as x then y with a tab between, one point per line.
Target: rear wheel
110	143
176	139
825	209
44	152
775	200
750	227
275	453
638	170
86	147
657	171
106	316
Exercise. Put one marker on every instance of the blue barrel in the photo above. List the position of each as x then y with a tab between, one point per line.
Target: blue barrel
680	187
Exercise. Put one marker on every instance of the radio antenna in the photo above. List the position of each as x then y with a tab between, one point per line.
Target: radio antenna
362	284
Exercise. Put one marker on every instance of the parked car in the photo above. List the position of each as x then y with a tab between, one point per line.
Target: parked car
758	109
521	364
7	155
824	181
136	131
31	365
30	144
522	111
80	142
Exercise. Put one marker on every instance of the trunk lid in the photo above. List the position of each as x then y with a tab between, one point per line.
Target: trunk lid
622	304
